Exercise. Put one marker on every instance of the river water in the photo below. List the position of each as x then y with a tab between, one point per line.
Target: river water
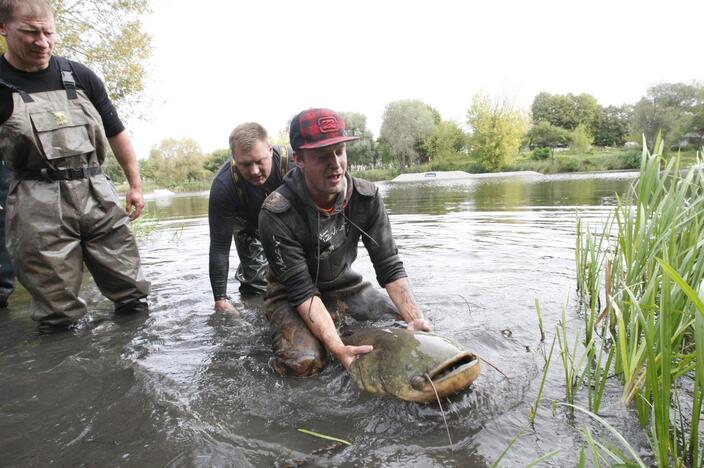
185	386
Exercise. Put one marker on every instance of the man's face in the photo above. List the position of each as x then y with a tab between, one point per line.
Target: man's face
255	165
30	39
324	172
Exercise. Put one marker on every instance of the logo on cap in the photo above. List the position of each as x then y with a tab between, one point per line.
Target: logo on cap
328	124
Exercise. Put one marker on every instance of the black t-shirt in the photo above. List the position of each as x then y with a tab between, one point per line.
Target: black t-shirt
49	79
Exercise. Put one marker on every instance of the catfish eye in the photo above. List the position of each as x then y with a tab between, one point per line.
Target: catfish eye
418	382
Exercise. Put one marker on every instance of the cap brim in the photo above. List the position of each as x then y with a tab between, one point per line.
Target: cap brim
328	142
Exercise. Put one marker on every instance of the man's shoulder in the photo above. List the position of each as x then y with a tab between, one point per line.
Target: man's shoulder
364	187
223	186
276	202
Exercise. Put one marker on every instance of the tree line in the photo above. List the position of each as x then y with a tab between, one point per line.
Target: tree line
495	130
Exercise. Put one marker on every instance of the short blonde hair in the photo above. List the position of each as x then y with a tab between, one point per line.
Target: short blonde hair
8	8
245	136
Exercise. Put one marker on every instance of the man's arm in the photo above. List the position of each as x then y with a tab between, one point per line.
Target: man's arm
318	320
403	298
221	220
126	157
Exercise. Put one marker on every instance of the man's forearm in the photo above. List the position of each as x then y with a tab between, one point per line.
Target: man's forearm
318	320
218	268
127	158
401	294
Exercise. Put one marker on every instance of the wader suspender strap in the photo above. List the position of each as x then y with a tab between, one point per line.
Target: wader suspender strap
23	94
283	169
67	78
283	161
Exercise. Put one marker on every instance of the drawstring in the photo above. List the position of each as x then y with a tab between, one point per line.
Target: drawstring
360	229
317	249
317	265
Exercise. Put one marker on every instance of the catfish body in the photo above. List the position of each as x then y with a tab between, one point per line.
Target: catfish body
403	361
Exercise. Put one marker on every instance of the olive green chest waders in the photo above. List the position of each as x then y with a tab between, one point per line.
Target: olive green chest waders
61	210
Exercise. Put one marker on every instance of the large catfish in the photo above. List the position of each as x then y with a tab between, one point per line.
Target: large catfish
402	362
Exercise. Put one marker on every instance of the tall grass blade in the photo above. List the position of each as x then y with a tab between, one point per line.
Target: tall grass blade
613	431
323	436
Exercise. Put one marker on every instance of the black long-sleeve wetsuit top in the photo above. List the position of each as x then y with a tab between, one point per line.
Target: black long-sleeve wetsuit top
226	205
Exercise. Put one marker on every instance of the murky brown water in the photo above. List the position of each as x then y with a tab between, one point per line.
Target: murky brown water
185	386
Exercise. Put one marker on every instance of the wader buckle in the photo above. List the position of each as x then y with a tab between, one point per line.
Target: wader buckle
44	175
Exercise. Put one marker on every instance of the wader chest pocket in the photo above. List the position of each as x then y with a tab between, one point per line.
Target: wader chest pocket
62	134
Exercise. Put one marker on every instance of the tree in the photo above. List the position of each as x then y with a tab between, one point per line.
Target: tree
581	139
610	125
405	125
216	159
361	152
107	36
175	161
112	169
545	135
667	108
497	129
564	111
696	127
446	142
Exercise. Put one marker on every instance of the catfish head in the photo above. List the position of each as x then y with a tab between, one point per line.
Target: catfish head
403	361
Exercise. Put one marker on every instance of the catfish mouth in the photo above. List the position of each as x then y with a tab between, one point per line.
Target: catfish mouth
449	376
453	367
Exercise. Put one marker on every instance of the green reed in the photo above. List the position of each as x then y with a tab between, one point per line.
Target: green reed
651	254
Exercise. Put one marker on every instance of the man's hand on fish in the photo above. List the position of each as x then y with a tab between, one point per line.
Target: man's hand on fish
420	324
347	354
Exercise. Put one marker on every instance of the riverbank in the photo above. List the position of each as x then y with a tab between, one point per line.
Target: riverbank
601	159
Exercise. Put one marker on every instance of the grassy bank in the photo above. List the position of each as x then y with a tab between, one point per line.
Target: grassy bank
597	159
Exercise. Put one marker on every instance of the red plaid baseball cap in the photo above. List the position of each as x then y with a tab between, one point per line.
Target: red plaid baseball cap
316	128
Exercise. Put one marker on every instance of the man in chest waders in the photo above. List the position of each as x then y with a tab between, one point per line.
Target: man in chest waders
56	122
310	229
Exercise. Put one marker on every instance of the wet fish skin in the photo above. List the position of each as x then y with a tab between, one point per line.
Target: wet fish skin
401	359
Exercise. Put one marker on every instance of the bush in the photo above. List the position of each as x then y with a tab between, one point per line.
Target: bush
540	154
569	165
631	160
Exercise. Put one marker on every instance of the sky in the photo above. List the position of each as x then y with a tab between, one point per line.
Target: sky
216	64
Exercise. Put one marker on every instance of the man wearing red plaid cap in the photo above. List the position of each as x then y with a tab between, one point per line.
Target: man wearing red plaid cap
310	228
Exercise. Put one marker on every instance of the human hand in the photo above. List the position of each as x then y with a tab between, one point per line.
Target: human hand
134	203
420	324
224	306
348	354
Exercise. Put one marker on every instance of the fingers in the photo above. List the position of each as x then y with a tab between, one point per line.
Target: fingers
420	325
134	204
224	306
352	353
359	350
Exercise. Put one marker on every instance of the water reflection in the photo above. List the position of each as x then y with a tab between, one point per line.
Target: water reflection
503	193
188	387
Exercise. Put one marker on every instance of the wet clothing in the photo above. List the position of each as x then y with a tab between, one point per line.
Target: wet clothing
233	212
7	273
310	253
62	211
297	351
